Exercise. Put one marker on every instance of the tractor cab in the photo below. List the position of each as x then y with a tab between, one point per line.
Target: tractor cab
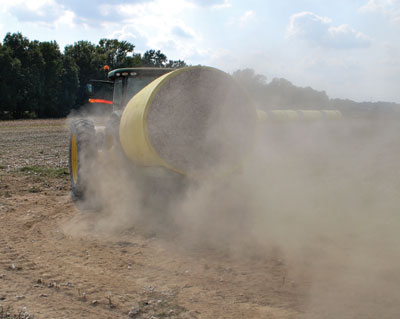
129	81
90	137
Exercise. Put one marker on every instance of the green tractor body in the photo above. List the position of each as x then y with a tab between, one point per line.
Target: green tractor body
107	97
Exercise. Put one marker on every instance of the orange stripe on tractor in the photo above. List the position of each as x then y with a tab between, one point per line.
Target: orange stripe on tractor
100	101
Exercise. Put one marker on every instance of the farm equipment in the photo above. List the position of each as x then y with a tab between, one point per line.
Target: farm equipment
101	95
193	122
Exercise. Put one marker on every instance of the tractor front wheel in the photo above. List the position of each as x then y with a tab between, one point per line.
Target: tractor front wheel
82	151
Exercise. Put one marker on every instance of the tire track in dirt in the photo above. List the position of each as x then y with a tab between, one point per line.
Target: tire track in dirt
30	276
38	251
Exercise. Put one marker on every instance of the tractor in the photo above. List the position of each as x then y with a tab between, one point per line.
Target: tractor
173	125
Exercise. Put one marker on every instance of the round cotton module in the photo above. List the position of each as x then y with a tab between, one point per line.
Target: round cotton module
194	120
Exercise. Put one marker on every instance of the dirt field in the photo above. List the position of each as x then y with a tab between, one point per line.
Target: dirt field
50	270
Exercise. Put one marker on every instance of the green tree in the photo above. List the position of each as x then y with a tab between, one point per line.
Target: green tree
280	93
83	53
113	53
36	79
9	70
250	78
69	85
51	82
134	61
27	81
176	64
154	58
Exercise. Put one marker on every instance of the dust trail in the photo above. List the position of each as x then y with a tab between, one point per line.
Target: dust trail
325	195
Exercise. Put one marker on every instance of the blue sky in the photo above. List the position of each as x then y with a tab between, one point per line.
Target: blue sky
348	48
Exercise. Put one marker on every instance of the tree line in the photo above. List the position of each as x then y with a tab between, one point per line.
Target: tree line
280	93
38	80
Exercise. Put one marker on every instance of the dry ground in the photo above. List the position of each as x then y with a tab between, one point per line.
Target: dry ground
51	271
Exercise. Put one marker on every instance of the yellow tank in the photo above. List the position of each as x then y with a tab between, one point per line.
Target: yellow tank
191	120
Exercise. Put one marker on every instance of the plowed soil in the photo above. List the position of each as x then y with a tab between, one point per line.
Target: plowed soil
50	268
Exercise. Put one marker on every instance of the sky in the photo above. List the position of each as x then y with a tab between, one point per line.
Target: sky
348	48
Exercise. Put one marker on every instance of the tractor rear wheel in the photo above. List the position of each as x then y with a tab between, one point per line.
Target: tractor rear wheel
82	151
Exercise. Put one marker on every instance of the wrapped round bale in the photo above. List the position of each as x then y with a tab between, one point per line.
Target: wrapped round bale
193	120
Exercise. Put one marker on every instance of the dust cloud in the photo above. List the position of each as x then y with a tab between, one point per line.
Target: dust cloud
324	195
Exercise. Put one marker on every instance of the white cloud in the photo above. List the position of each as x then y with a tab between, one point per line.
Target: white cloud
160	25
126	33
389	8
346	37
183	32
223	5
320	32
247	17
306	24
156	24
31	5
46	13
66	19
49	13
214	4
90	13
